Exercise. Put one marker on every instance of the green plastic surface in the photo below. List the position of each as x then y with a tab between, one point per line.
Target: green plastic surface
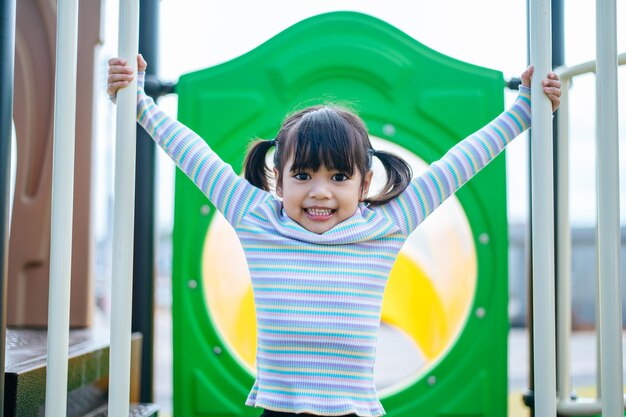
433	101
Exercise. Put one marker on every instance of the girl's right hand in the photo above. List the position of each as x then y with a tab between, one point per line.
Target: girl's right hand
121	74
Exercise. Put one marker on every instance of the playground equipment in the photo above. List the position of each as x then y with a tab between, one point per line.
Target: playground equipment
123	215
29	247
7	51
610	399
62	208
63	173
542	214
410	97
563	256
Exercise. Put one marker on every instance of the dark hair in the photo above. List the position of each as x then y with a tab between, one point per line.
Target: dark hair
325	135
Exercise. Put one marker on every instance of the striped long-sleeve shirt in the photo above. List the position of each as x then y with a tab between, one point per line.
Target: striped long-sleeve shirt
318	308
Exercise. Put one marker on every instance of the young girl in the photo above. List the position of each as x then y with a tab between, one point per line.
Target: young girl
320	254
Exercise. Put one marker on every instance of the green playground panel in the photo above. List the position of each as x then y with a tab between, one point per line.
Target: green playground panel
389	78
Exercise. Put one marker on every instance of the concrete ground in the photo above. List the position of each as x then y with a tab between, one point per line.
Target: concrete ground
583	363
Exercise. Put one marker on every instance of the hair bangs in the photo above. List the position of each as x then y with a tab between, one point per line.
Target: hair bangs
323	137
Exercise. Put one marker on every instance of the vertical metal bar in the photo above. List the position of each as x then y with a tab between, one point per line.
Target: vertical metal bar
62	207
561	214
529	395
608	238
123	217
543	214
563	248
7	59
558	35
143	265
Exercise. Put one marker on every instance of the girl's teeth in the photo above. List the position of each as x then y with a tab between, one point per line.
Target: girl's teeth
319	212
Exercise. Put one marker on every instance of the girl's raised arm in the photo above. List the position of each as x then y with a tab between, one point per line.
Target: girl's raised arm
427	191
232	195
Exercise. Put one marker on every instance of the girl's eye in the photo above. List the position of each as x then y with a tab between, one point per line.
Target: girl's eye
340	177
302	176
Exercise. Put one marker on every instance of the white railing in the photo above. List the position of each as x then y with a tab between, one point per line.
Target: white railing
123	216
611	384
610	398
542	214
564	310
62	207
62	203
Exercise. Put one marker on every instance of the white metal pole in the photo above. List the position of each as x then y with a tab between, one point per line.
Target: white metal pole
608	229
563	255
542	214
124	213
582	406
62	207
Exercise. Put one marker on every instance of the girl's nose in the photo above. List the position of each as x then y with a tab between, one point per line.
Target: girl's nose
320	190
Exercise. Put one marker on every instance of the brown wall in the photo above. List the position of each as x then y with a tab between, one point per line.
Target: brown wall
29	247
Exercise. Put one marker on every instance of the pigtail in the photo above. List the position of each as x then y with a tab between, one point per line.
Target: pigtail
255	169
399	175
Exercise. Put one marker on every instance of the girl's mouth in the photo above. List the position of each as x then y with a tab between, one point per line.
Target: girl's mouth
319	214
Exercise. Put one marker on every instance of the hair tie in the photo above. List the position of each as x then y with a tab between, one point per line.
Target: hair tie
371	152
273	142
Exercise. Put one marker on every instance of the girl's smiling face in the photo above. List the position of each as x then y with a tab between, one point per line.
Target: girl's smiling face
321	155
319	200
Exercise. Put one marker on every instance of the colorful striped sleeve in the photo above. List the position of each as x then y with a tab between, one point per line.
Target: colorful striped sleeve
443	177
232	195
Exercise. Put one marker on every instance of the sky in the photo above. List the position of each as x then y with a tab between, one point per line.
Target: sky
196	34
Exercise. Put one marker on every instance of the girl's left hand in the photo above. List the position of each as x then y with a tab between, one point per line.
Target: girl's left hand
551	86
